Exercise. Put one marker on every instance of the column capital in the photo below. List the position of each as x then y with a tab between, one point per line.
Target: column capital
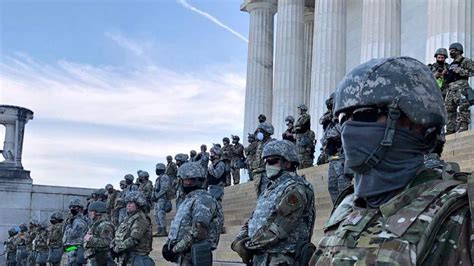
249	5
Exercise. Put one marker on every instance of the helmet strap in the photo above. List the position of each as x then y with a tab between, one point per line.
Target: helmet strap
386	143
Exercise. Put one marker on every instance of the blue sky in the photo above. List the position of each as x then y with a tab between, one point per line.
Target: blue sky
118	85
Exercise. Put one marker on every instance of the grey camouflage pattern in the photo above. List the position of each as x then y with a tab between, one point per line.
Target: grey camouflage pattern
283	148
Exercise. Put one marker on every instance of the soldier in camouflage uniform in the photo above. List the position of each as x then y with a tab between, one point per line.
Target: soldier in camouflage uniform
457	80
161	199
264	132
99	236
30	236
171	168
216	179
433	158
133	238
74	230
55	239
10	248
120	205
399	213
288	134
146	188
112	196
440	68
192	155
20	242
196	228
280	228
40	244
227	156
250	151
203	157
326	121
237	157
304	137
181	159
93	197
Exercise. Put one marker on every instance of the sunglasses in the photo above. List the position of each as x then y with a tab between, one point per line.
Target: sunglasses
363	114
272	161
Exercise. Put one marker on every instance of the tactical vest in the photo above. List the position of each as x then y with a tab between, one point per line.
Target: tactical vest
75	230
182	222
125	228
265	210
400	232
55	235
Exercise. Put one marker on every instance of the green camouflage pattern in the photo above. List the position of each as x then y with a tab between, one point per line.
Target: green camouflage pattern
55	235
102	234
426	224
133	235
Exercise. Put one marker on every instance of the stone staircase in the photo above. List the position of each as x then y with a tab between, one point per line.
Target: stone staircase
239	200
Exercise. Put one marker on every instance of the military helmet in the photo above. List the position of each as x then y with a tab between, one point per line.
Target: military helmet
109	186
98	206
330	101
262	117
303	107
400	82
137	197
225	139
23	227
216	150
129	177
76	202
282	148
160	166
169	158
457	46
290	119
12	231
57	216
143	174
43	224
267	127
181	157
235	138
101	192
122	182
203	146
250	136
441	51
191	170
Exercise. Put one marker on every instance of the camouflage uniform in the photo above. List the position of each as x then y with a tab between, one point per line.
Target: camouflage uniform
237	155
146	188
40	244
227	156
133	238
30	236
203	157
160	197
288	134
250	152
110	203
197	219
19	241
55	240
74	230
171	170
304	138
258	164
457	81
326	121
284	216
101	233
180	158
415	217
10	248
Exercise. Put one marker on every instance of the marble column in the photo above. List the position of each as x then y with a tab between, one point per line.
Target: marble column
329	56
308	52
450	21
9	143
289	62
258	93
380	29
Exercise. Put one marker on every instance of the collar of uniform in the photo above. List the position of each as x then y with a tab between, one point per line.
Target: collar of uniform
283	176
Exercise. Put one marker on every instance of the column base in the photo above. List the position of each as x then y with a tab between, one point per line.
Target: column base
7	172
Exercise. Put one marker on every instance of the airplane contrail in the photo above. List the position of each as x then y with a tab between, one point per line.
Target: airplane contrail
185	4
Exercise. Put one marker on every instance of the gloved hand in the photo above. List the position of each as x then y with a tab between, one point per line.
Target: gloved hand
239	247
168	254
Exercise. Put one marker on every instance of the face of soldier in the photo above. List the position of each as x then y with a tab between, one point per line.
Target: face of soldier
92	214
179	163
122	186
131	206
212	156
225	143
110	190
235	142
289	124
272	167
453	53
169	160
440	59
74	210
129	181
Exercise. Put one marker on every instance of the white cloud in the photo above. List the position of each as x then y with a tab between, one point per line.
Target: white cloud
213	19
182	109
125	42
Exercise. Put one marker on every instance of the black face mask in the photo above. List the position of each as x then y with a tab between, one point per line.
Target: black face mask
453	55
190	189
129	182
440	62
74	211
159	172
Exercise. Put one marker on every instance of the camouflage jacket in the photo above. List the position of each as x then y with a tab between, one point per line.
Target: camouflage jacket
30	236
20	239
120	200
147	189
111	199
203	159
332	139
284	216
216	173
9	245
258	165
162	187
134	234
102	232
303	124
227	152
250	152
428	223
237	152
55	235
460	78
171	170
197	218
40	243
74	230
